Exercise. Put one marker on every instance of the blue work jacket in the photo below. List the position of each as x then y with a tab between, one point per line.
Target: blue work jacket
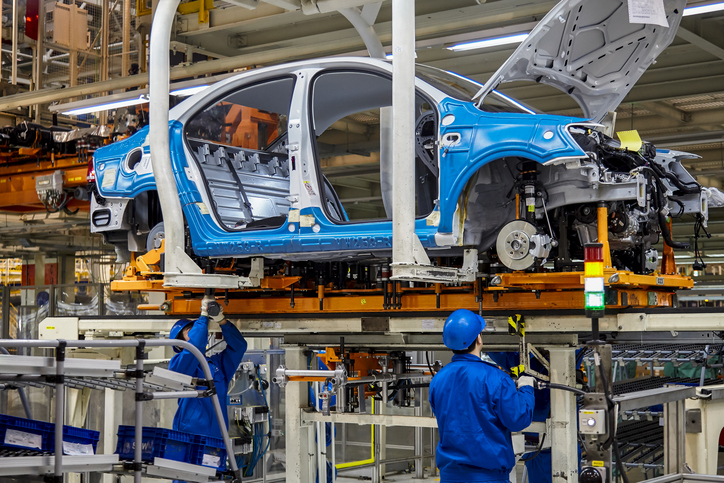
197	415
506	360
477	406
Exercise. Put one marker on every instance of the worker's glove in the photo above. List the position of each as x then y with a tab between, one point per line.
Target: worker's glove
205	305
525	381
218	318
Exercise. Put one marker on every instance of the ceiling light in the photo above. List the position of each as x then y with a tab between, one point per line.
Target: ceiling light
107	106
188	91
700	9
389	56
485	43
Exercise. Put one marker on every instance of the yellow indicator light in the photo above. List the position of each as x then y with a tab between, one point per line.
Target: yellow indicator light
593	269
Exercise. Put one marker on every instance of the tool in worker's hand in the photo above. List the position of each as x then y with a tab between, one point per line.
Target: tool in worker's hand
213	308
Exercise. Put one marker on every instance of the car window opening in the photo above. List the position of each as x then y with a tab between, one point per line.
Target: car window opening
350	111
239	143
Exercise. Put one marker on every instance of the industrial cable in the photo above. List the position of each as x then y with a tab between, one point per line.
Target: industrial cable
540	448
609	401
429	366
563	387
612	421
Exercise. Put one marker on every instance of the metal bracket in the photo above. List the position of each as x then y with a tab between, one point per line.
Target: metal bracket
525	351
693	421
432	274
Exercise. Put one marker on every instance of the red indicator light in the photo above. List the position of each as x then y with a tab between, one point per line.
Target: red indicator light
593	252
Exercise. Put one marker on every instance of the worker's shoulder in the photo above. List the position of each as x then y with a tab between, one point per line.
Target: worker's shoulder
475	368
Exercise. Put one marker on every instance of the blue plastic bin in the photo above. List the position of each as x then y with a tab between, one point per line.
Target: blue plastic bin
28	434
77	441
208	451
156	443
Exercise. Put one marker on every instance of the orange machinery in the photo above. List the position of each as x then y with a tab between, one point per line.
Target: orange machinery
281	294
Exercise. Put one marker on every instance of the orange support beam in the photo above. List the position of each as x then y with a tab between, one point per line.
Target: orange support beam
17	181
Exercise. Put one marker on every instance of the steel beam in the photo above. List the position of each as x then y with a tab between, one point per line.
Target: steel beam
299	460
674	437
564	431
700	42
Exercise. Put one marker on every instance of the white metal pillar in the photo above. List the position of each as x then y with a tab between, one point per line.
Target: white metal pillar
297	437
404	248
159	79
702	443
564	432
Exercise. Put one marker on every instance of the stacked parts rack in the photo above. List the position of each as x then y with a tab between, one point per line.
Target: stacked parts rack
60	373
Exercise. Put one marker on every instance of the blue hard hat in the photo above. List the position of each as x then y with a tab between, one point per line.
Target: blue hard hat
461	329
177	331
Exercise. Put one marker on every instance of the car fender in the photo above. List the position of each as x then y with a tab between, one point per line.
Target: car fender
485	137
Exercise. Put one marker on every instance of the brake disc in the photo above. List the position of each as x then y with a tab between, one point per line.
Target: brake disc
514	245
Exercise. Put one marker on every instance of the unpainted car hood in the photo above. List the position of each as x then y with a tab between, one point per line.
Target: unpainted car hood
588	49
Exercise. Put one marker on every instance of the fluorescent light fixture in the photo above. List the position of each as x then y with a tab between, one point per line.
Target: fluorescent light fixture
389	56
485	43
682	256
188	91
701	9
142	99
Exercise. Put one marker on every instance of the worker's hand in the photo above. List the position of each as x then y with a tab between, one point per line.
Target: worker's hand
205	305
525	381
218	318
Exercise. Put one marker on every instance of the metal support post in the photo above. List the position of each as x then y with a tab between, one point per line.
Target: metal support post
59	409
40	54
378	471
343	449
137	454
112	412
334	455
1	35
298	458
406	249
163	21
126	38
105	39
564	431
419	467
381	440
433	452
14	60
5	324
321	451
674	437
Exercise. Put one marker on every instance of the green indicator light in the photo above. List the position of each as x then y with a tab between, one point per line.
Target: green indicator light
595	301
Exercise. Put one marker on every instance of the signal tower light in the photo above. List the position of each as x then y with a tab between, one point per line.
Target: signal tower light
593	280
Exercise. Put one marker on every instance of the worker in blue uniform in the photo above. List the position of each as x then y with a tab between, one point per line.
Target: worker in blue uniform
197	415
477	407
